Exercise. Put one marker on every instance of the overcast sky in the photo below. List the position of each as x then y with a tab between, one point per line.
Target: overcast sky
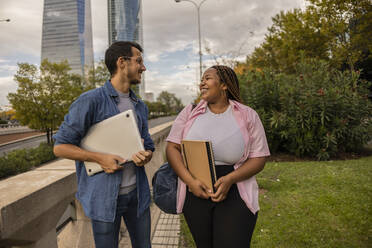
170	37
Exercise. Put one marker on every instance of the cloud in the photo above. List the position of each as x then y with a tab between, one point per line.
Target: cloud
7	68
170	36
225	25
182	83
99	28
7	85
23	32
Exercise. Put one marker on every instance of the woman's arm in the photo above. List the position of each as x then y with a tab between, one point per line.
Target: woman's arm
250	168
174	157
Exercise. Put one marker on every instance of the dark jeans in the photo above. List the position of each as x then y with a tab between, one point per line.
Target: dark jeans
219	225
106	234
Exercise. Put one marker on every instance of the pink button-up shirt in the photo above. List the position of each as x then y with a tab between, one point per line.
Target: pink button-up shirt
254	140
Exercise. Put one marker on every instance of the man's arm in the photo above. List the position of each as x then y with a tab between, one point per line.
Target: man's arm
108	162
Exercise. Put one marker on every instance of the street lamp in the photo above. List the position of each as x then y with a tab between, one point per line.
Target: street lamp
4	20
198	10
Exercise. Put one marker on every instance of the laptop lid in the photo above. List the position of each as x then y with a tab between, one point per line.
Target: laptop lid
117	135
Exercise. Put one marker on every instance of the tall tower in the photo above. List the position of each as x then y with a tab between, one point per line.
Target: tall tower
125	24
67	34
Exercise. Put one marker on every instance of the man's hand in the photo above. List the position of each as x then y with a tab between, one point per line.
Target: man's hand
142	157
109	162
199	189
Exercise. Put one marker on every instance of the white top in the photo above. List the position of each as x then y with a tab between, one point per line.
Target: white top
223	132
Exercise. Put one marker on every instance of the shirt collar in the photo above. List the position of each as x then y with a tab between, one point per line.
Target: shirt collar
202	106
112	92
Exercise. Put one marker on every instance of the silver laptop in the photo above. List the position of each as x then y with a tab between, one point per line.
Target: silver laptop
117	135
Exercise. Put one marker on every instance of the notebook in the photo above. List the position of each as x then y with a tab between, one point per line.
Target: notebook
117	135
199	160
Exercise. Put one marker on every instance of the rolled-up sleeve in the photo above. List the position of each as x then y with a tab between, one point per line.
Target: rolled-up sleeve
76	122
258	142
176	132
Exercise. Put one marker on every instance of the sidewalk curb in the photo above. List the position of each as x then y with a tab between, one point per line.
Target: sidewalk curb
21	140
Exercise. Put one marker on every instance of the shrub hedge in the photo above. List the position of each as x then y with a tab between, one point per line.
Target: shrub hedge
317	112
22	160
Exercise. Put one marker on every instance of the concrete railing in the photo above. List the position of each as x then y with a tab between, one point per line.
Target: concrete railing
34	204
9	129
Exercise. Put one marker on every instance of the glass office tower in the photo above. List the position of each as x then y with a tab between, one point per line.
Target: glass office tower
67	34
125	24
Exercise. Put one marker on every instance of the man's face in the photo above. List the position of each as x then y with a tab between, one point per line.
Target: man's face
135	67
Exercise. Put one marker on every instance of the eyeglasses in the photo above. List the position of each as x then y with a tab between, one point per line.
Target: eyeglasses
138	59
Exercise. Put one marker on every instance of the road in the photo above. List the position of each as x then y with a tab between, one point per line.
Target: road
34	142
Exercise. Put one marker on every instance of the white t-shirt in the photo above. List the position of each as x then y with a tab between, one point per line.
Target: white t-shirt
223	132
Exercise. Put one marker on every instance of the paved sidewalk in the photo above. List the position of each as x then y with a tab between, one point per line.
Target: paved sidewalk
165	230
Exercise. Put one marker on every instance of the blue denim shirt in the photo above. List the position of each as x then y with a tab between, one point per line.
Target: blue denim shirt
98	194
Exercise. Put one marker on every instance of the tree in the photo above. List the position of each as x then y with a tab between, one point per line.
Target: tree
333	30
98	75
44	95
7	115
156	109
172	103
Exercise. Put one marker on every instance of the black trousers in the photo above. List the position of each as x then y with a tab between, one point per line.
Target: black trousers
223	224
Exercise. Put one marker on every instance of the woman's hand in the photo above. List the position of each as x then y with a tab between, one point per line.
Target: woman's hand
222	186
199	189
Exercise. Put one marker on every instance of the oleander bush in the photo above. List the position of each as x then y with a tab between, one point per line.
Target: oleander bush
22	160
318	112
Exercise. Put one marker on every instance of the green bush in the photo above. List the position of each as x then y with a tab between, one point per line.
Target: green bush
22	160
317	112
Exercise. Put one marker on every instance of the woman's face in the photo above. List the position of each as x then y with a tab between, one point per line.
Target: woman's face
211	88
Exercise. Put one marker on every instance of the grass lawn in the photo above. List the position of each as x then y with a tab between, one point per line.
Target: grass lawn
314	204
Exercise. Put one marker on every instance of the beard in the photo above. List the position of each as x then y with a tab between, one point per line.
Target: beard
134	81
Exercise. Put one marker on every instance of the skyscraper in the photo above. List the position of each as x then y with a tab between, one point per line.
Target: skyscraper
67	34
125	24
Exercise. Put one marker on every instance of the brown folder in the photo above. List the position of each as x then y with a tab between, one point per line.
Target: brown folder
199	160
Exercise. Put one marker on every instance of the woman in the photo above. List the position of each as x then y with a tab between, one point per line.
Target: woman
227	217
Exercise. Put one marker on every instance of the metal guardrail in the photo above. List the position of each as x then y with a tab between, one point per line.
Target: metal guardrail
9	125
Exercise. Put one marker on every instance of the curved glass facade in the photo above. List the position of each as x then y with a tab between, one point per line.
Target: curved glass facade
67	34
125	24
125	20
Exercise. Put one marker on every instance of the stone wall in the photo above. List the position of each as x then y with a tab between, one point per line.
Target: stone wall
35	203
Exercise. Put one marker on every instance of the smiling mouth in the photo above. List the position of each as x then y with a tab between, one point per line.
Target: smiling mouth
203	90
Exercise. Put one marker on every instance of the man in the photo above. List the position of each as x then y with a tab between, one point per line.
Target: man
121	191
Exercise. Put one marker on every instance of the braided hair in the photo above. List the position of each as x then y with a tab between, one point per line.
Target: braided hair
229	78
